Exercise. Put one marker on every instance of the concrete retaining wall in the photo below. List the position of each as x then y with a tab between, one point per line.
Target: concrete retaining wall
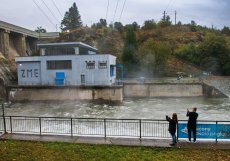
114	94
163	90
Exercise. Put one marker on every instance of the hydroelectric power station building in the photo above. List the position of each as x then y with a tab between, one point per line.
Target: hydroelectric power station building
67	63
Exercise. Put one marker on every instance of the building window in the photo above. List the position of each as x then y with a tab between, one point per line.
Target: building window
59	51
90	64
59	64
102	64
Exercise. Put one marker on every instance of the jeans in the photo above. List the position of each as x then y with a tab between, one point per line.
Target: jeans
174	138
190	130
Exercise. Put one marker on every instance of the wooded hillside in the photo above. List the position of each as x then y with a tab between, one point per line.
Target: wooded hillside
153	50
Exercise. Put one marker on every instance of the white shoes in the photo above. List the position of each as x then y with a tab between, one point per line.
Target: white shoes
188	141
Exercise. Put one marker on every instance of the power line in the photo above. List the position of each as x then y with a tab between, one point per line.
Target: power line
194	17
115	10
57	8
44	13
168	5
50	11
107	11
122	10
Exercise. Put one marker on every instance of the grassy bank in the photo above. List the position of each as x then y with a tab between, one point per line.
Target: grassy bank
53	151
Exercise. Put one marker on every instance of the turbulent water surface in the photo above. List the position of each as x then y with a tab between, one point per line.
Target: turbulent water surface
155	108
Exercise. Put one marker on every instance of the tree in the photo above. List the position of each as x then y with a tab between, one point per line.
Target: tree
165	21
135	26
179	23
190	53
129	57
149	24
102	23
118	26
213	54
226	31
40	30
193	26
72	19
215	48
153	56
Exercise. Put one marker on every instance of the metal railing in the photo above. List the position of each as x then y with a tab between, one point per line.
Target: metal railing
85	126
105	127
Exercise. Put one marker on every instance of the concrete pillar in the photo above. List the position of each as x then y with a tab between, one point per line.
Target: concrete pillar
21	44
4	42
34	46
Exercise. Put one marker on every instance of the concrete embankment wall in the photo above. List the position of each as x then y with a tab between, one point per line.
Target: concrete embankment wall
212	92
111	93
162	90
114	94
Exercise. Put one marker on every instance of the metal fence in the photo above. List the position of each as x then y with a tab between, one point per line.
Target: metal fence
137	128
85	126
107	127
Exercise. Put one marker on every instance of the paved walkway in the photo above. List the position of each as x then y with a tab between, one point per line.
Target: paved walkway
119	141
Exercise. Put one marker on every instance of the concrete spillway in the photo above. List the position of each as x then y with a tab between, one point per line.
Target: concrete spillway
220	83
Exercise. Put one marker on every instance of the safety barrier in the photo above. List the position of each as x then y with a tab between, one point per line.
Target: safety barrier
107	127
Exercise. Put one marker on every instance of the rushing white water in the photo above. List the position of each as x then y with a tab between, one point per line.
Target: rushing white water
154	108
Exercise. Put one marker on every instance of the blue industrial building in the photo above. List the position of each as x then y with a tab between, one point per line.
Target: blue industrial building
67	63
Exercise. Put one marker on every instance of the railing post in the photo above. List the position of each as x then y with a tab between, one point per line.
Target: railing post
11	128
71	122
177	131
40	126
4	119
140	128
105	128
216	132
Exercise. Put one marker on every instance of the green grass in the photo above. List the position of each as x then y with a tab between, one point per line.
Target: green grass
55	151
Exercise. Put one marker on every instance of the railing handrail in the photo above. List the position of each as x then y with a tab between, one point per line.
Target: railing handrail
106	127
117	119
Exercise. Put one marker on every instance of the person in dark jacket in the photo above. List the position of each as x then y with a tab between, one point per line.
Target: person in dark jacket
172	127
192	117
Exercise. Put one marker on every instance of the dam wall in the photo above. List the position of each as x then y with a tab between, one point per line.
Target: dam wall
162	90
110	93
33	93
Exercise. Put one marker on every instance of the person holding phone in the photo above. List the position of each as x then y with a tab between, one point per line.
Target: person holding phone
191	125
172	127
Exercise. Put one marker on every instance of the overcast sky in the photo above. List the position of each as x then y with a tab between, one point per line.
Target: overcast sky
48	13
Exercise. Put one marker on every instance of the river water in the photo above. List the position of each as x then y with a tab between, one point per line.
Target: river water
149	108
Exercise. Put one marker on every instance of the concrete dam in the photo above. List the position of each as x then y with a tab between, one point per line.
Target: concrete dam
111	93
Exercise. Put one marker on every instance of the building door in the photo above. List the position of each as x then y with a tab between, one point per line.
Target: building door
82	79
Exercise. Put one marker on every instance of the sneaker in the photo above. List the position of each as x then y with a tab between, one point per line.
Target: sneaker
194	142
172	144
188	141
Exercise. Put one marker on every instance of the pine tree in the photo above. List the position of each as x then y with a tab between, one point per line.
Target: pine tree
72	19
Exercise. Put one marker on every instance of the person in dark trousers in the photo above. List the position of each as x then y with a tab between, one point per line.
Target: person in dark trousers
192	117
172	127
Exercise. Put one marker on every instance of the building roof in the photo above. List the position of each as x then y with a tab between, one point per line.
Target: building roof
79	44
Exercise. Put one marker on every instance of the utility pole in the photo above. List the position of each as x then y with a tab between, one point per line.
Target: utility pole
164	15
175	17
